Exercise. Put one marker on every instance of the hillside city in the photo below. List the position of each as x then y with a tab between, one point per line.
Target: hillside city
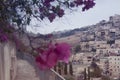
59	40
95	51
95	54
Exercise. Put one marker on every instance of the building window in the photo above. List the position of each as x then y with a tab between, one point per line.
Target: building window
102	33
101	51
110	69
98	45
118	51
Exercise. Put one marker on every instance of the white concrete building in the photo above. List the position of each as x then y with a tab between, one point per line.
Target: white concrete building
110	66
114	66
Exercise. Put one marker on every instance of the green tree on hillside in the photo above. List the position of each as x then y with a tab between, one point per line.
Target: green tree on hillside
96	71
77	48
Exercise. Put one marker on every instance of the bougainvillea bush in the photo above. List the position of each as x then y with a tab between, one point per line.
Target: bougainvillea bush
54	53
16	14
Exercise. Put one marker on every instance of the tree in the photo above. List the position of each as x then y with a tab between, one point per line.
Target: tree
93	50
85	74
77	48
88	73
59	68
111	42
65	69
21	11
70	68
96	70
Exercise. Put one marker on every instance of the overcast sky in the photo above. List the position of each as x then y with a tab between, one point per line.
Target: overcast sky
102	10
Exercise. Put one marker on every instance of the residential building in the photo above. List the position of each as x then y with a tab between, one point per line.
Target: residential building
114	66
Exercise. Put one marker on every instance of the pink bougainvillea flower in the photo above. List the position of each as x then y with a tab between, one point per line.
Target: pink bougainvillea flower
88	4
47	58
3	38
41	63
51	17
78	2
63	51
52	59
55	52
60	12
51	56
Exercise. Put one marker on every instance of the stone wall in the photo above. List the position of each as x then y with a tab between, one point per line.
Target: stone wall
28	70
7	61
15	65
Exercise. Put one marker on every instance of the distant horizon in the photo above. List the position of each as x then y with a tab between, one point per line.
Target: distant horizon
86	25
77	19
79	27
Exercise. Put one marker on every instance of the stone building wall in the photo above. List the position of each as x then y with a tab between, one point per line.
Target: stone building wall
14	66
7	61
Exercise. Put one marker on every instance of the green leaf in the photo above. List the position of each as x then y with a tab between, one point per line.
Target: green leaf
28	21
19	22
34	1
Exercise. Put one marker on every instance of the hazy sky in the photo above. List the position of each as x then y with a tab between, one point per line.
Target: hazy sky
102	10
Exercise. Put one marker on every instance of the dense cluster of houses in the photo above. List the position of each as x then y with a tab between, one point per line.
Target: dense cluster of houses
102	45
